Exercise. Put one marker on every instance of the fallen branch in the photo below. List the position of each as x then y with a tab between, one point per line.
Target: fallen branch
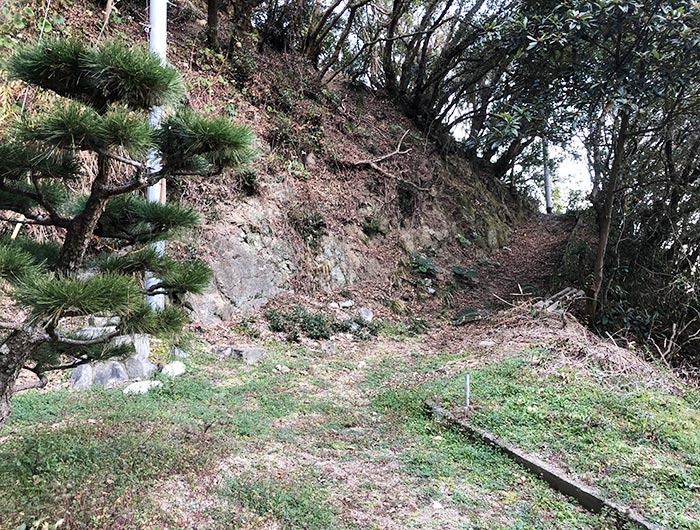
374	164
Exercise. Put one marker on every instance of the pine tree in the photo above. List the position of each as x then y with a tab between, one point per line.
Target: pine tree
98	131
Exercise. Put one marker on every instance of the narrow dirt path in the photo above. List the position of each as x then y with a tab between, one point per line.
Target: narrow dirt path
533	257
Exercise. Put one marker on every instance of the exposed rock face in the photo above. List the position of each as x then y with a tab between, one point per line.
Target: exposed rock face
256	255
250	265
340	263
108	373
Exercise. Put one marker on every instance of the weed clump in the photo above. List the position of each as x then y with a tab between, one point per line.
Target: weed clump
298	321
248	181
243	66
308	223
422	265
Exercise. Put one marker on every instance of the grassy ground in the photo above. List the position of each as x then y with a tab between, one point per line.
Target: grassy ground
329	444
637	443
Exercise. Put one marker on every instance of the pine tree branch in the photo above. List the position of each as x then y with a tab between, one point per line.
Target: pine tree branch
34	221
121	159
45	203
68	366
102	339
16	191
145	181
10	325
138	184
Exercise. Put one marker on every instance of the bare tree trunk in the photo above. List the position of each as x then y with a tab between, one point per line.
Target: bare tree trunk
605	219
14	354
213	24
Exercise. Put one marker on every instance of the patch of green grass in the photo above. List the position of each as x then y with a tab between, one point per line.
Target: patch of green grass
474	477
640	446
89	456
292	504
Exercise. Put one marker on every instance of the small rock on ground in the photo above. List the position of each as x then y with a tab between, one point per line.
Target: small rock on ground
366	314
141	387
249	355
174	369
109	372
281	368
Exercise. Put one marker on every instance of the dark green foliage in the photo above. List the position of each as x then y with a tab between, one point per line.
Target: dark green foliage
169	321
56	65
308	223
138	220
243	66
217	141
174	276
249	181
16	264
422	265
17	159
133	76
99	76
44	253
50	356
185	276
67	126
55	297
299	320
125	130
465	275
135	260
55	194
78	127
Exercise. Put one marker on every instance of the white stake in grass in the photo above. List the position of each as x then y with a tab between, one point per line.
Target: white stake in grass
466	390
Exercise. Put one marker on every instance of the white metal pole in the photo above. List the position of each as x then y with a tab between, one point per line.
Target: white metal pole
157	43
547	176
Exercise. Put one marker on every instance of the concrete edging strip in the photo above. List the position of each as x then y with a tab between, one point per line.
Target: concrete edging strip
587	496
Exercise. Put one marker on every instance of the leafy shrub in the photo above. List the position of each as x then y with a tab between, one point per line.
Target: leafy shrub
247	327
298	321
422	265
243	66
465	274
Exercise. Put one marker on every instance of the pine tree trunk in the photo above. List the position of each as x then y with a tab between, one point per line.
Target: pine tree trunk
14	354
82	226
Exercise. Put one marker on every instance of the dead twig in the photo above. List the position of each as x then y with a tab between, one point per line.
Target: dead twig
374	164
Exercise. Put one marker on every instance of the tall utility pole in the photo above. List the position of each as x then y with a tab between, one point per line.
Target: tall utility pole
547	176
157	43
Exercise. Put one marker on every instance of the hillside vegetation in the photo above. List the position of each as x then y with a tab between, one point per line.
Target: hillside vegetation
382	243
